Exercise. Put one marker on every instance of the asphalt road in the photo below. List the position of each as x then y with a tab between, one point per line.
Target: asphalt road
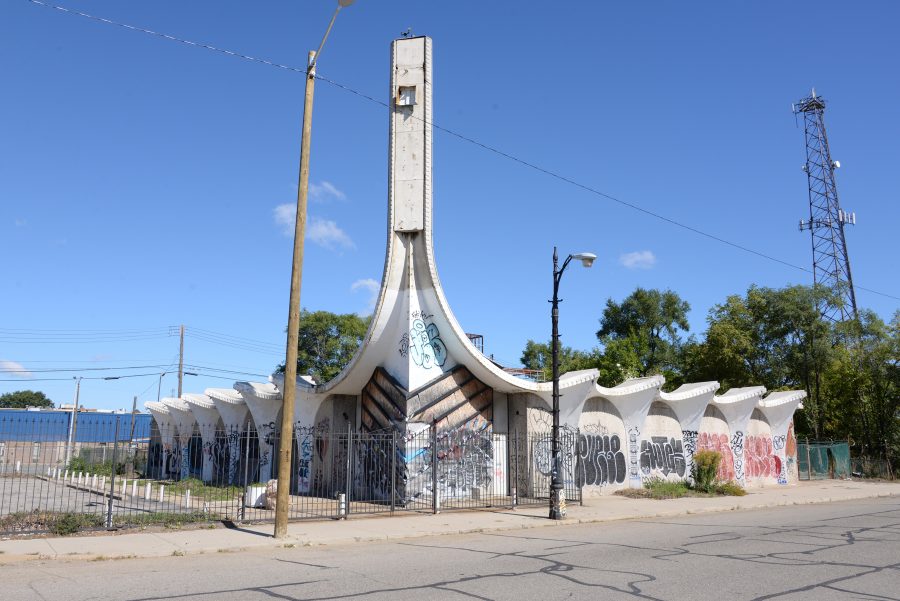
848	550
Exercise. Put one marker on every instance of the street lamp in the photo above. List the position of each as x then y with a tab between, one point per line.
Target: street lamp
72	424
159	386
289	391
557	502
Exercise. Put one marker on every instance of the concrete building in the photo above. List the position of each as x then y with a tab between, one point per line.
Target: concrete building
417	374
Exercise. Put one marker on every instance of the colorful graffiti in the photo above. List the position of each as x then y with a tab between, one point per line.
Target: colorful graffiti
711	441
663	455
599	460
761	460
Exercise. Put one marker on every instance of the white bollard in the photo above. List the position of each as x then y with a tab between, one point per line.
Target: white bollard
147	490
80	474
103	483
187	498
124	486
94	481
162	492
66	477
134	488
18	467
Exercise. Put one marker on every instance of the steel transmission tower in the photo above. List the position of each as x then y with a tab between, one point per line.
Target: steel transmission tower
831	263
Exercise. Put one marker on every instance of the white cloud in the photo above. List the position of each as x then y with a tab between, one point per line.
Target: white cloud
323	232
639	259
284	217
11	368
370	286
327	234
21	223
325	191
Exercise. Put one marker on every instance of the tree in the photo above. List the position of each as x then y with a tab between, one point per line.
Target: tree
539	356
327	342
647	322
21	399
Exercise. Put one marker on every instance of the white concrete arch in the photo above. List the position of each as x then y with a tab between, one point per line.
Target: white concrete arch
166	425
185	421
208	422
233	411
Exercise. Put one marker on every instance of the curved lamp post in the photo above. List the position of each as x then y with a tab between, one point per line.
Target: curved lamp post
293	333
557	503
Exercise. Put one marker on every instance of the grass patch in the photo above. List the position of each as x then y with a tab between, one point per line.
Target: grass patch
67	523
200	490
657	488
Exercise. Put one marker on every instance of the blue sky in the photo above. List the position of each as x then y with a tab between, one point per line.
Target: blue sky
141	179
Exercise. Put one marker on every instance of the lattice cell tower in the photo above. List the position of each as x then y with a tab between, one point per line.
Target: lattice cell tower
831	263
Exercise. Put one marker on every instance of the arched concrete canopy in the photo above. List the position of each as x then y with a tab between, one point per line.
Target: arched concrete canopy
737	406
779	407
204	410
307	402
166	425
185	421
689	402
233	411
264	402
632	398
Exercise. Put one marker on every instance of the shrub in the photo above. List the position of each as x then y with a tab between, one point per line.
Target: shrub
706	464
730	489
665	489
70	523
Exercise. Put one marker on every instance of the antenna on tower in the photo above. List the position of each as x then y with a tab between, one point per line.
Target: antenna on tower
831	263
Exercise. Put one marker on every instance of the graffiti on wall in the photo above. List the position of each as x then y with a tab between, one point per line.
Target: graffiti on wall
761	460
689	438
663	455
599	460
711	441
634	435
233	442
737	450
423	342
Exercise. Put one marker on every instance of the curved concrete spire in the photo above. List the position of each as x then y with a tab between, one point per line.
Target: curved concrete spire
233	411
414	335
166	425
207	417
779	407
264	401
184	420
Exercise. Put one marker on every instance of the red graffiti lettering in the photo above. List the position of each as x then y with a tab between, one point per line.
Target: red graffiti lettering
710	441
761	461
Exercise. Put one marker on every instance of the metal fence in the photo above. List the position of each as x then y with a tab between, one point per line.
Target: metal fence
818	460
110	478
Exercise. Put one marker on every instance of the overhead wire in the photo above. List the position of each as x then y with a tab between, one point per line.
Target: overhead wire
484	146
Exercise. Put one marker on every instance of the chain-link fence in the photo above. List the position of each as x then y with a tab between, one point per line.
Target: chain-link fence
818	460
110	477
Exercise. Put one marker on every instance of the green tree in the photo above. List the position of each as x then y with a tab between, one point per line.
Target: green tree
327	342
648	323
539	356
21	399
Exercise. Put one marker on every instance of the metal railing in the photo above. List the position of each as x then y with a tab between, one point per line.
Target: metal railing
107	479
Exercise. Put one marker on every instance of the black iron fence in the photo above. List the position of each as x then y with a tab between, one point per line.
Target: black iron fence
104	477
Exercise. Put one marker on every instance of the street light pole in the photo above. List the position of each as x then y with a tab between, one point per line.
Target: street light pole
159	386
72	421
557	498
289	390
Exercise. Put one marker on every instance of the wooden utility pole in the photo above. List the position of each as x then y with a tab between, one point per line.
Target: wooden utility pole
181	360
289	390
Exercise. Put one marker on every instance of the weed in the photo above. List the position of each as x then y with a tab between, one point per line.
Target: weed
706	465
730	489
177	553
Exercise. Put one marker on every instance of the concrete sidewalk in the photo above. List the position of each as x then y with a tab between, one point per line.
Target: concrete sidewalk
362	529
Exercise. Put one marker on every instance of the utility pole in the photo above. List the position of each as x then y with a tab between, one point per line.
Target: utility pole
289	392
180	360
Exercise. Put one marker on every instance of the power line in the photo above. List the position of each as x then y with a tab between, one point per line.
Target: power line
460	136
71	369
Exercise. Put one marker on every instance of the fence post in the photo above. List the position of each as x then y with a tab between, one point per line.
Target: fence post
515	482
435	495
808	461
112	476
393	469
349	465
243	509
